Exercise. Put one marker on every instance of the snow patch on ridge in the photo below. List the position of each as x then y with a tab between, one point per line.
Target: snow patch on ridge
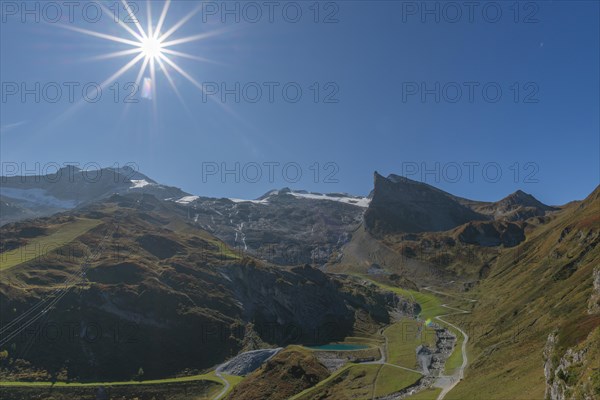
355	201
187	199
263	201
362	202
139	183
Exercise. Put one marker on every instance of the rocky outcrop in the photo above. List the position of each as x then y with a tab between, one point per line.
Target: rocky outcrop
424	357
552	387
283	308
247	362
594	301
572	374
492	233
399	204
281	227
304	305
432	362
281	376
517	206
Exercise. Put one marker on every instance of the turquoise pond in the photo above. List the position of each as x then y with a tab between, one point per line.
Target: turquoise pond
339	346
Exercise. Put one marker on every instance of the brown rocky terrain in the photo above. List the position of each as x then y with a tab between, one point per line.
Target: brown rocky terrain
288	373
162	295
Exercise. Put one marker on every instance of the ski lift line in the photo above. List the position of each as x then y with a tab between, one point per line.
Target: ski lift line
45	313
47	299
62	292
54	301
67	284
46	309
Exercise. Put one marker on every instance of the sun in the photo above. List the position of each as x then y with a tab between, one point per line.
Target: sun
151	48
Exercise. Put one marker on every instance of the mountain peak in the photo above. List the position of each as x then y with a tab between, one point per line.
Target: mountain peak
71	167
400	204
520	198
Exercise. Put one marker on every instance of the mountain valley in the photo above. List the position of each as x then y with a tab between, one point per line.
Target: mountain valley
410	292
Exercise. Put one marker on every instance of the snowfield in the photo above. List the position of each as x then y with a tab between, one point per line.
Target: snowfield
362	202
356	201
264	201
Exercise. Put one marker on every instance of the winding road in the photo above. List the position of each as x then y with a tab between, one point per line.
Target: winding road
226	383
448	382
445	382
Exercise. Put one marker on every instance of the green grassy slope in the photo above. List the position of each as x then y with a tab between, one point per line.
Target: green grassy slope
391	380
40	246
286	374
541	286
403	338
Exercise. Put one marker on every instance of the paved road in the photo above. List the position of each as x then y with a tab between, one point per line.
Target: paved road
226	384
447	383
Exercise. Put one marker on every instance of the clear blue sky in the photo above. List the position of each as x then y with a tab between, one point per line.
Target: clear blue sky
372	60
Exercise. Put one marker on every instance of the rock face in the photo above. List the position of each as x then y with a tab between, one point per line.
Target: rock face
492	233
572	374
399	204
282	227
285	374
552	387
424	357
594	302
247	362
432	362
273	300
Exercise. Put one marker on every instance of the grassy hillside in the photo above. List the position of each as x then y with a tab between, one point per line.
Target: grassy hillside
525	292
44	241
403	338
145	289
362	381
192	390
391	380
540	287
286	374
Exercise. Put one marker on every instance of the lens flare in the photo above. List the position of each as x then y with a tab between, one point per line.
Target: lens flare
150	47
147	89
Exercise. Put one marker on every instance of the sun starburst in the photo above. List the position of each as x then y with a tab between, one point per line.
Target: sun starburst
151	48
